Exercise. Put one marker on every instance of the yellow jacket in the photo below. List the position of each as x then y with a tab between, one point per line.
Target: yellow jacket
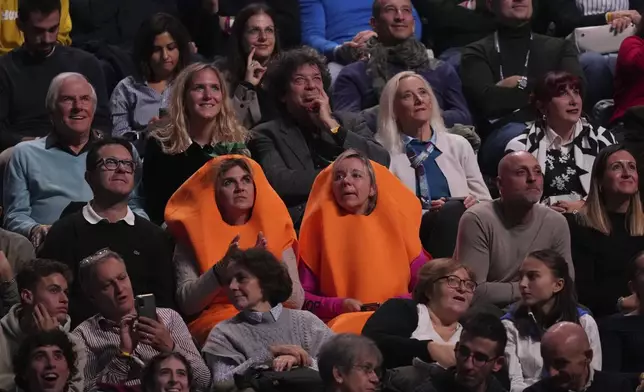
11	37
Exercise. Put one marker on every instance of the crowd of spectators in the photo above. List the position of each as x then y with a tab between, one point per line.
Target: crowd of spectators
395	195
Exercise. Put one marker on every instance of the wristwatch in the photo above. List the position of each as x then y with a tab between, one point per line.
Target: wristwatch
522	83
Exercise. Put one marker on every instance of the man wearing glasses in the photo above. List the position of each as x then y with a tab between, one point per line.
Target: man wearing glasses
44	175
479	354
108	221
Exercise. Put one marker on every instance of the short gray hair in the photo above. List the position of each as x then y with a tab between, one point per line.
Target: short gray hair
88	265
342	352
55	85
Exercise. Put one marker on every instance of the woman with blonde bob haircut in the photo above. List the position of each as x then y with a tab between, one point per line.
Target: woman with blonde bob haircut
607	232
427	326
344	209
439	167
202	124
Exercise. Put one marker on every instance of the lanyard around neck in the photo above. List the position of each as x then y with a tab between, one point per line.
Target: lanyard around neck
498	51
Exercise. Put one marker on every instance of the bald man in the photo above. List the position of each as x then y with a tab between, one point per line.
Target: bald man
567	356
494	237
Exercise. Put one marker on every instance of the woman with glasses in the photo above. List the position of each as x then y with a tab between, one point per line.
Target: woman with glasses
202	124
427	326
563	141
358	246
350	363
263	331
439	167
253	43
547	297
607	233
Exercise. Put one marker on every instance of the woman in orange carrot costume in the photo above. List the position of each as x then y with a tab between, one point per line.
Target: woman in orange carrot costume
359	240
228	203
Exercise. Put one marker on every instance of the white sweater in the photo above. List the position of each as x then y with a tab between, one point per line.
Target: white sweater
523	355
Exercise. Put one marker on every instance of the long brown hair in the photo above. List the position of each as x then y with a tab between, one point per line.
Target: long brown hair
594	214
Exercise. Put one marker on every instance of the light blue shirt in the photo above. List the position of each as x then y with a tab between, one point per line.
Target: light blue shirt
264	317
134	103
41	179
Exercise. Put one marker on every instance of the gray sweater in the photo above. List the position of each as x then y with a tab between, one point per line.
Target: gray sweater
494	250
242	342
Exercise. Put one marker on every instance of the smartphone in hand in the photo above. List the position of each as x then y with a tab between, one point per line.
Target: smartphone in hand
146	306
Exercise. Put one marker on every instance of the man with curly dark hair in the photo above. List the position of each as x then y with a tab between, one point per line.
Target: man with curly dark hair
46	361
306	136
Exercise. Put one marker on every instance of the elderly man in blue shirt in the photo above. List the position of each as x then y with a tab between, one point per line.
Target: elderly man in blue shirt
45	175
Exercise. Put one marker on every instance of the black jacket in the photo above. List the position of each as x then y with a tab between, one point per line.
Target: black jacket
391	327
113	22
480	72
602	382
292	158
442	380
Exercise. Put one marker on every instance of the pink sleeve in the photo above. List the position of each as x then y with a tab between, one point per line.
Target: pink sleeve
325	308
418	262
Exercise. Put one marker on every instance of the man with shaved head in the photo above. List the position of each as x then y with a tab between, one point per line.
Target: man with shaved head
566	356
494	237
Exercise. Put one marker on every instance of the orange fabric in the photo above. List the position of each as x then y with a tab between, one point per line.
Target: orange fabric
366	257
350	322
194	219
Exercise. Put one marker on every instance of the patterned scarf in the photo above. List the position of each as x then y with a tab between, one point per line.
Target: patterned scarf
385	61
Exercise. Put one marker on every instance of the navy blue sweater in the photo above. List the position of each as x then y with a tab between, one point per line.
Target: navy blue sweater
353	91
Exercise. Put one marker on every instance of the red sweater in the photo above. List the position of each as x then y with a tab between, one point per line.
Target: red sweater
629	76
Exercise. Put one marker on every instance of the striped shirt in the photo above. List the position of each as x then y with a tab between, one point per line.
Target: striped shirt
105	365
594	7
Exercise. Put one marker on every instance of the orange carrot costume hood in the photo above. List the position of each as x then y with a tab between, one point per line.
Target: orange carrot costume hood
193	218
366	257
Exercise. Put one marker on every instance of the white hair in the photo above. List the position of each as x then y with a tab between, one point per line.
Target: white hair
388	133
55	85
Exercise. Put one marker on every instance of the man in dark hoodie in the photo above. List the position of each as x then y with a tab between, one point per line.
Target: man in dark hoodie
43	286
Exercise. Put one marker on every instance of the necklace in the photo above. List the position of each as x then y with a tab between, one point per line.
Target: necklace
498	51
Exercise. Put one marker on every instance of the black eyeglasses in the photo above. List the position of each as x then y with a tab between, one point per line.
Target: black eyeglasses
455	282
478	359
127	165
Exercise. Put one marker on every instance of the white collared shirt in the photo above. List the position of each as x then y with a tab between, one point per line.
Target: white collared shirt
93	218
591	377
556	142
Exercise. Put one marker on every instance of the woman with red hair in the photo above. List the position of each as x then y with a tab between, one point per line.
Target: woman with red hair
563	141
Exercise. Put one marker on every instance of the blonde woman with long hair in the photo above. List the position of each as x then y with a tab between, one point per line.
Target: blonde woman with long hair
438	166
607	232
201	125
